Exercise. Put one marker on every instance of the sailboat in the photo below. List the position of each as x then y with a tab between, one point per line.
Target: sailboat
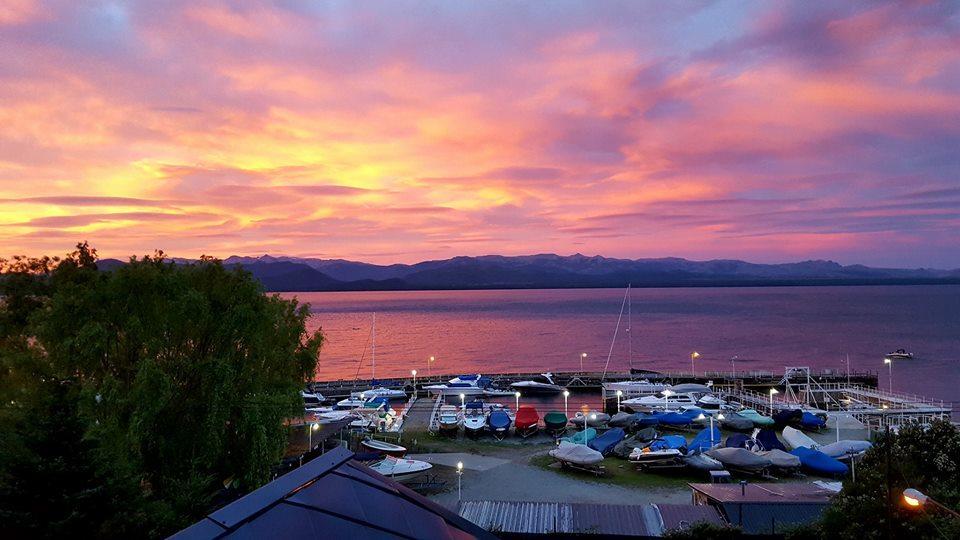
378	391
633	388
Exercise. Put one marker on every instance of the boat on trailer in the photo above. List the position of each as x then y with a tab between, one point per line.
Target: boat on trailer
555	422
474	418
401	470
383	447
527	421
578	456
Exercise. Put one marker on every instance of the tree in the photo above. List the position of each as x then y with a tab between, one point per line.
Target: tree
169	380
922	457
703	530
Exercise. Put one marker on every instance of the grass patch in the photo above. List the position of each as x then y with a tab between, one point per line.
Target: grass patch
623	473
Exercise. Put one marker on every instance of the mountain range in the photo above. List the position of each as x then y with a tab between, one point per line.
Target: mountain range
556	271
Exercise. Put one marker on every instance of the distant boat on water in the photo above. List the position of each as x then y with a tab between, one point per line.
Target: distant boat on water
900	354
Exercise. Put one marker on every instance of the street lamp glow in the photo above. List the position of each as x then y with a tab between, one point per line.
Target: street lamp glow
772	392
459	466
517	395
463	401
693	356
582	356
619	395
914	498
666	395
459	481
889	364
566	396
414	373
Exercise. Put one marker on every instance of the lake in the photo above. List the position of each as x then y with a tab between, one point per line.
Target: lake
765	327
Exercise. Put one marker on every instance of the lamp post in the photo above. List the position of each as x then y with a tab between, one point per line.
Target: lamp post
459	480
430	361
566	396
582	356
693	356
914	498
619	395
593	416
772	392
463	401
733	364
313	427
889	364
517	396
666	395
414	373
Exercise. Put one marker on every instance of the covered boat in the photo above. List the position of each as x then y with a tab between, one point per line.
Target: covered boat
593	419
644	420
758	419
735	422
704	440
626	446
767	440
555	422
527	421
787	416
784	461
622	420
737	440
740	459
605	443
796	438
401	470
817	462
811	422
499	423
671	419
577	454
382	447
702	462
656	456
675	442
845	448
581	437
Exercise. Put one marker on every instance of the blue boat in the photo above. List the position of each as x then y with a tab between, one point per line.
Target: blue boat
810	421
704	440
605	443
499	423
817	462
643	420
768	440
672	419
669	442
581	437
787	416
737	440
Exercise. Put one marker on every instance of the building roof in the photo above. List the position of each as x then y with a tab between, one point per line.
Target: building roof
333	496
794	493
547	518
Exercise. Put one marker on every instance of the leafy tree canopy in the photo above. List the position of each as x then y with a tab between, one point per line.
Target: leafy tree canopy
153	385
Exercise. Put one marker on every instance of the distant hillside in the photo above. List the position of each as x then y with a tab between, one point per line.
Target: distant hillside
555	271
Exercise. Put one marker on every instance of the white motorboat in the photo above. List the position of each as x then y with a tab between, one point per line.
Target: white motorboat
311	400
474	418
333	416
401	470
543	386
382	392
647	455
468	385
634	389
355	401
383	447
796	438
900	354
666	400
449	418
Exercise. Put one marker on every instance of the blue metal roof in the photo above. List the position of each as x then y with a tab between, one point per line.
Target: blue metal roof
332	496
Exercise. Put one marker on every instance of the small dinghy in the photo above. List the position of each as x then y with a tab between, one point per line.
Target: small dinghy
382	447
499	423
606	442
593	419
555	422
702	462
736	422
401	470
758	419
704	440
650	455
581	437
740	459
784	461
527	421
664	453
845	449
797	439
817	462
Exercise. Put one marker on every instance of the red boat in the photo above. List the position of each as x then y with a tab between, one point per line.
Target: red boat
527	421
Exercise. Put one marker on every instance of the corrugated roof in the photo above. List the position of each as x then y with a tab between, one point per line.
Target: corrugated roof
523	517
765	492
333	497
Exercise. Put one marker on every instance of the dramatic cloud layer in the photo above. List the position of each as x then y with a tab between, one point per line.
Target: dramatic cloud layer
398	131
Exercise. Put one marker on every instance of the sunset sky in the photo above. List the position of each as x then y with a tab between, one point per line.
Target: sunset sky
402	131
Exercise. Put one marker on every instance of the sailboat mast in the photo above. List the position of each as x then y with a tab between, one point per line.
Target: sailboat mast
630	327
374	349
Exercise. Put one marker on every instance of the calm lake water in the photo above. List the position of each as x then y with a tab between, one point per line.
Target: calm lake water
529	330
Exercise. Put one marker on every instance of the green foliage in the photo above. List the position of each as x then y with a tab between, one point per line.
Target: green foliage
704	531
151	386
925	458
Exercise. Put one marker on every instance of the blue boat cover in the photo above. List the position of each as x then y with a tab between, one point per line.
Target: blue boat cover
672	418
693	413
605	443
667	442
818	462
767	438
475	405
810	420
378	401
737	440
468	377
643	420
788	416
702	441
498	420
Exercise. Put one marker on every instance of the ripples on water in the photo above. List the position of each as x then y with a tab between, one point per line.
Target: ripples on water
531	330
